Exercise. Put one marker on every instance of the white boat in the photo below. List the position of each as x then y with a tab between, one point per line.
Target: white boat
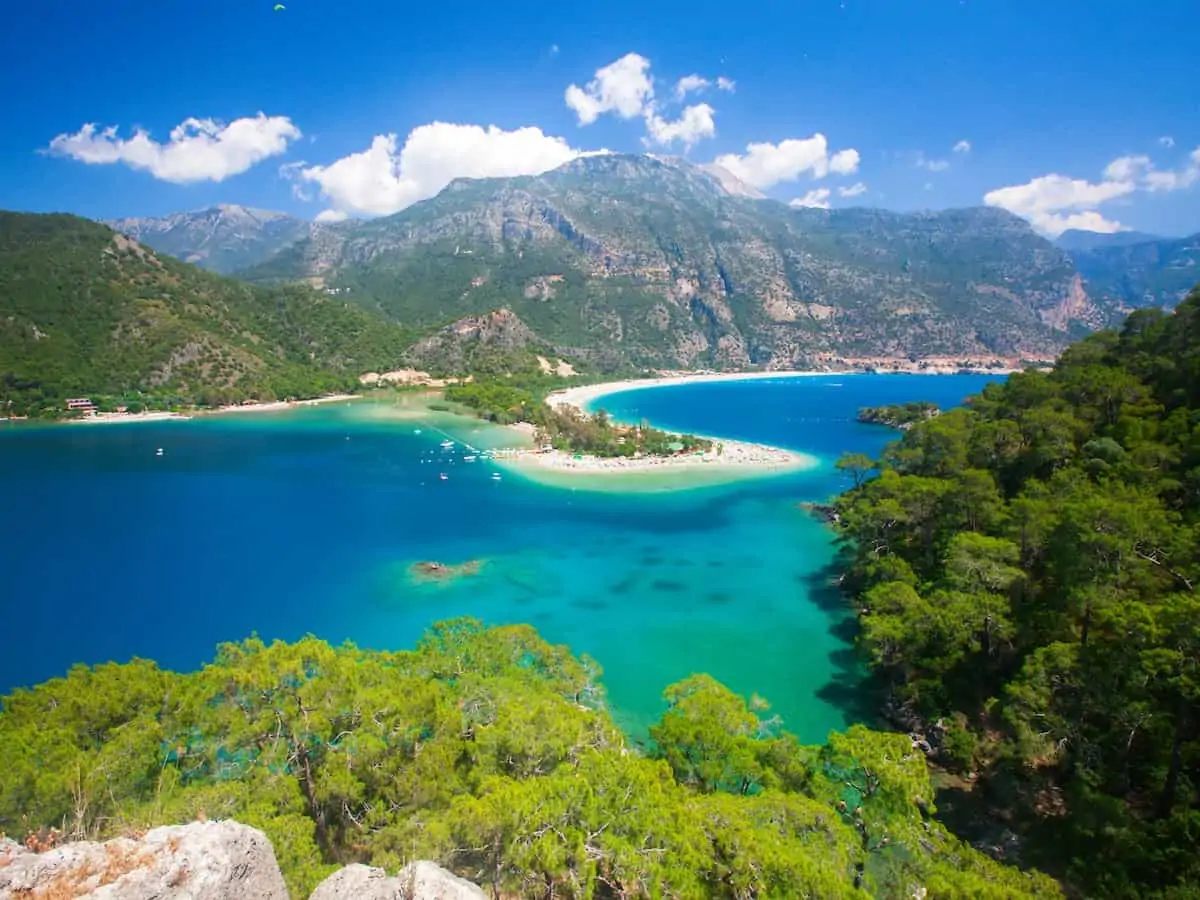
495	476
469	458
446	445
416	431
444	476
158	452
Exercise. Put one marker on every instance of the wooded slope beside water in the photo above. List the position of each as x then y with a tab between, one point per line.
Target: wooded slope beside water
85	311
490	751
1026	569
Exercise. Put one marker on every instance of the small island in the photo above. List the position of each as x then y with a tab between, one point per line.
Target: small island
902	416
441	573
567	429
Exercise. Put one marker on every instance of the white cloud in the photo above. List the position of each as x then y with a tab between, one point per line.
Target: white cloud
382	179
694	124
933	165
726	84
1167	141
689	83
963	146
553	49
196	150
818	198
1054	203
764	165
1127	168
855	190
622	87
332	215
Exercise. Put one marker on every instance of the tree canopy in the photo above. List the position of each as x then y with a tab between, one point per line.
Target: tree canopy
490	751
1026	570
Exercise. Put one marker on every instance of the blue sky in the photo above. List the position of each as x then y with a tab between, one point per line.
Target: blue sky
1076	113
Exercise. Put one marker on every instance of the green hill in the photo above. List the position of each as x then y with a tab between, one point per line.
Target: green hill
1026	570
87	311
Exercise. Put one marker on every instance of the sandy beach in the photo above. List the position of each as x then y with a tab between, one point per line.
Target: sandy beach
279	405
116	417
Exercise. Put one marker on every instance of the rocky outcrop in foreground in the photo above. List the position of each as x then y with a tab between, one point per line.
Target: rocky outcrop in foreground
200	861
417	881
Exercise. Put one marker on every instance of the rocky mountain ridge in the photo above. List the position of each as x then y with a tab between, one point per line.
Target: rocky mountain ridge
222	238
653	261
1129	274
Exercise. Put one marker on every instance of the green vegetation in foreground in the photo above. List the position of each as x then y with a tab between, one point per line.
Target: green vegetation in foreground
509	401
1026	569
85	312
490	751
902	416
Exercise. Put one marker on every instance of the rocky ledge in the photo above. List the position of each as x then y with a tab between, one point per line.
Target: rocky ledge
200	861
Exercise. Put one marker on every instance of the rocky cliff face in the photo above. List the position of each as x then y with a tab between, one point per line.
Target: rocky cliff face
659	261
1128	275
200	861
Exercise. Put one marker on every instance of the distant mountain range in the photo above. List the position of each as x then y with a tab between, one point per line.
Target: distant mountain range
221	239
1074	239
654	261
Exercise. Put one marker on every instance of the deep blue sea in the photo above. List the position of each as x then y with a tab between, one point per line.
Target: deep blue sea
307	522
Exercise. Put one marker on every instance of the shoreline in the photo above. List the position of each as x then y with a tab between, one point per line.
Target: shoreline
279	405
584	395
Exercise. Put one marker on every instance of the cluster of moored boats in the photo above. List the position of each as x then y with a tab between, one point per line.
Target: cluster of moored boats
475	455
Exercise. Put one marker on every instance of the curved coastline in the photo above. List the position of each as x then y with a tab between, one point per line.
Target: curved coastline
728	461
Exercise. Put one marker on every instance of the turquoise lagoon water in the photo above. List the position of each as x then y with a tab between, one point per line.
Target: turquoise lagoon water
306	522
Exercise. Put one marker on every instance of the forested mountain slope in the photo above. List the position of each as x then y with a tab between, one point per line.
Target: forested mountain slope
1027	571
87	311
1153	272
654	261
491	752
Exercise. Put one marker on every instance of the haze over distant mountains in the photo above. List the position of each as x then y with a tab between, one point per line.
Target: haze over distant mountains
661	262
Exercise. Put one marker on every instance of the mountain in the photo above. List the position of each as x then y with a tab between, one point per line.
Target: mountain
1158	272
223	238
1076	239
87	311
658	262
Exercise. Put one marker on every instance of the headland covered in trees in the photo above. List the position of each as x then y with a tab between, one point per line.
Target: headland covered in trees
1026	568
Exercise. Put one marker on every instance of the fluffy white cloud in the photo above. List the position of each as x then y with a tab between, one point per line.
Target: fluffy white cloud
694	124
622	87
818	198
689	83
1127	168
1173	180
626	88
1054	203
855	190
382	179
764	165
1167	141
963	146
196	149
